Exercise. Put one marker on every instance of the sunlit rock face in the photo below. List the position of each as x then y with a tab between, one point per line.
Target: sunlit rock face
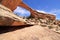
11	4
25	13
44	15
21	12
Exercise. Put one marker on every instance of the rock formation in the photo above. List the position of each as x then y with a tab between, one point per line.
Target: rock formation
40	26
12	4
43	15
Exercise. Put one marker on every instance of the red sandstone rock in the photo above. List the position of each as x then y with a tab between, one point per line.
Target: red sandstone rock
12	4
16	23
43	15
50	16
9	22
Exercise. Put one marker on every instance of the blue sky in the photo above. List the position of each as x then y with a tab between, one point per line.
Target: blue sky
21	12
50	6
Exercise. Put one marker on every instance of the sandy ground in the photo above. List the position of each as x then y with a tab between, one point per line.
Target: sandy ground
30	33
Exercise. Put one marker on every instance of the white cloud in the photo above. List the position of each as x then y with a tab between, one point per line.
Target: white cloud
45	12
55	11
41	11
21	12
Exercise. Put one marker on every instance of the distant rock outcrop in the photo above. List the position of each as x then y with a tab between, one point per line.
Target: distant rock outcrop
43	15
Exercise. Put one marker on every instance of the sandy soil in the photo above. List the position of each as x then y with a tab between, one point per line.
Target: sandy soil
30	33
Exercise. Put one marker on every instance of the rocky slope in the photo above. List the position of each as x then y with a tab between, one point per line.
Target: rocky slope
51	24
30	33
38	29
39	26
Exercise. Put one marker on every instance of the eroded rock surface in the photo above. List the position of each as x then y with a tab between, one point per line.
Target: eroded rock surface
30	33
45	25
12	4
